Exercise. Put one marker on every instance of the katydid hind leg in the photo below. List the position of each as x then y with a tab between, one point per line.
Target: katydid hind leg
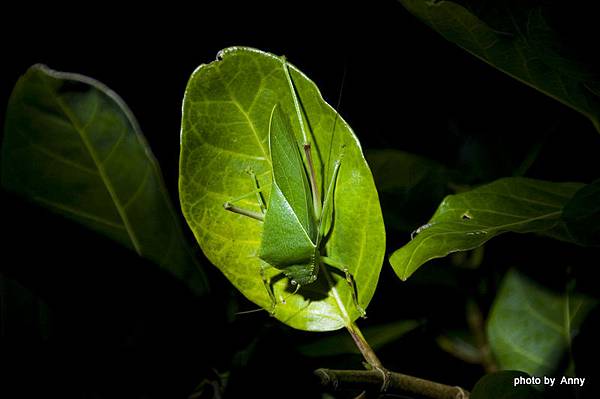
312	174
306	144
349	280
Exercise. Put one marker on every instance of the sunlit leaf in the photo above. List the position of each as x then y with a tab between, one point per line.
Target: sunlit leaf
226	112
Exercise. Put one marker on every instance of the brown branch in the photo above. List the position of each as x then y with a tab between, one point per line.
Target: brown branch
373	380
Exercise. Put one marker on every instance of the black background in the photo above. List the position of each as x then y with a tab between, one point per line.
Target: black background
103	323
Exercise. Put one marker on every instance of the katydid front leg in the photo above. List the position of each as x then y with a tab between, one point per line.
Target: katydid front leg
259	195
261	217
261	201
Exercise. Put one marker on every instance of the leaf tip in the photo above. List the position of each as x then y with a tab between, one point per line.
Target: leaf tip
402	272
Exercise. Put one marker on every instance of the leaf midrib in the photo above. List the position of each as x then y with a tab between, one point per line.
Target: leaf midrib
101	171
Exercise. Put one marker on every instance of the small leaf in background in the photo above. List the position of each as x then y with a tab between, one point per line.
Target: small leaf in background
226	112
461	345
72	145
341	343
409	186
501	385
467	220
520	40
582	215
530	328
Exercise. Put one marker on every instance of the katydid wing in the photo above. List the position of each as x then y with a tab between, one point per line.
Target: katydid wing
289	239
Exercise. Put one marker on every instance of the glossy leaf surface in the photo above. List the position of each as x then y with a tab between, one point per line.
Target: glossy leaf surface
73	146
519	39
467	220
530	328
225	126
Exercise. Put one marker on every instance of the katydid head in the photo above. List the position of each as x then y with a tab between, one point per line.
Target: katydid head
301	275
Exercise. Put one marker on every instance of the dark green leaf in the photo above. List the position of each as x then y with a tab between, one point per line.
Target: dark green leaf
520	41
459	343
342	343
467	220
73	146
530	327
582	215
501	385
410	186
226	114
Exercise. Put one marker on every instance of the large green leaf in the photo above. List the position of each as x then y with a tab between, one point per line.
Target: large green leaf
501	385
225	126
72	145
467	220
520	40
530	327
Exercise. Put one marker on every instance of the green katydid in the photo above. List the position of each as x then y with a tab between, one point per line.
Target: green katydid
295	221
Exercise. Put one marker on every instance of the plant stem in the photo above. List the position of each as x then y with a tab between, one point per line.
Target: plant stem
364	347
401	384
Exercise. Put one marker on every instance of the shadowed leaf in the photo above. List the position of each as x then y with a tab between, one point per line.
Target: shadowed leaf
520	40
73	146
530	328
500	385
582	215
